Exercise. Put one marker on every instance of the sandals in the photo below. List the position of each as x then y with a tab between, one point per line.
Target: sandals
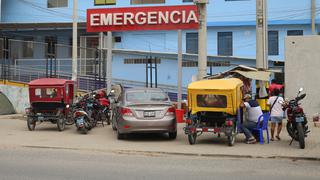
251	141
278	138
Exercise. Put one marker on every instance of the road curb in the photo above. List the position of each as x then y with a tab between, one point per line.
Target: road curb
158	153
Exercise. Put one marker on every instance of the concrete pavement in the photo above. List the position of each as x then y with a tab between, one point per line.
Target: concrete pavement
14	132
51	164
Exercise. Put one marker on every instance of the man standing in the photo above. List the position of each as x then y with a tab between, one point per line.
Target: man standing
253	112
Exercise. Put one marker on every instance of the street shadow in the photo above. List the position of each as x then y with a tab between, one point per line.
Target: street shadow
49	127
209	139
147	137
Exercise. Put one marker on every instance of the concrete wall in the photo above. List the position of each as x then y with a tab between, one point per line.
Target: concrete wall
5	105
18	96
302	70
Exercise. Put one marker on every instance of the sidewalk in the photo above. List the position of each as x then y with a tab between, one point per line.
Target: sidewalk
14	132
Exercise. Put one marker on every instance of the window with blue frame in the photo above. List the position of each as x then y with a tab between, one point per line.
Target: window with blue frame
148	1
104	2
273	43
225	44
192	43
57	3
295	33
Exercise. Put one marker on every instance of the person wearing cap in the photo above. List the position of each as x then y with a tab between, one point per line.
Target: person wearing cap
253	111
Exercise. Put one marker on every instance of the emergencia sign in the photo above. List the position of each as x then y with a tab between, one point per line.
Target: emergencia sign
143	18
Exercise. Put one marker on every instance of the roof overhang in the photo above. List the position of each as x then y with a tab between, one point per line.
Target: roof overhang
39	26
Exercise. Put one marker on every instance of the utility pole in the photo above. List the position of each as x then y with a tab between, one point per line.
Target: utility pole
75	41
202	40
262	35
313	16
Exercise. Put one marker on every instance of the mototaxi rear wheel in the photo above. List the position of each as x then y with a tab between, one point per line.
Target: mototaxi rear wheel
31	123
61	123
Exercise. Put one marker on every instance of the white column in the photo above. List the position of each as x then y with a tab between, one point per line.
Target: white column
179	68
109	61
75	41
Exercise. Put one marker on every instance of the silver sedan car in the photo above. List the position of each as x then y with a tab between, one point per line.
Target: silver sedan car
144	110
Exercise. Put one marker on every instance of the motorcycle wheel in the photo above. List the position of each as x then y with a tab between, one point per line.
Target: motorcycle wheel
84	130
94	121
61	123
301	135
89	123
231	140
108	117
31	123
70	121
291	132
192	138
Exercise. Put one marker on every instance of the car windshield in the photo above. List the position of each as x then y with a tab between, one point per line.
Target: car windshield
146	96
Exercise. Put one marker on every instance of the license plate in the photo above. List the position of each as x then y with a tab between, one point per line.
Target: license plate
299	119
80	121
149	113
40	118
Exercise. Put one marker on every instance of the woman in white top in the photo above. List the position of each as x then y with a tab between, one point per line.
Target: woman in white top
276	113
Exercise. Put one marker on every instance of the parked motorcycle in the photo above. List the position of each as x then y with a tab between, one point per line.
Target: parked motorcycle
297	120
103	107
82	120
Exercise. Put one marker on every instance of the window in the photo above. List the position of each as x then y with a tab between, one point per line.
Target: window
210	100
148	1
104	2
51	42
273	43
57	3
192	43
47	93
28	47
146	96
225	44
295	32
187	1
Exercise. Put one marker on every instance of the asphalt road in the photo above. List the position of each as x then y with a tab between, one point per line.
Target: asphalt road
37	164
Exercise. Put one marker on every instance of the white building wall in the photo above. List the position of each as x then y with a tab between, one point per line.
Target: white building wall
302	70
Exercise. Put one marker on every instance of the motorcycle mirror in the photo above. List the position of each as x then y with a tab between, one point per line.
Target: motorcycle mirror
300	90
